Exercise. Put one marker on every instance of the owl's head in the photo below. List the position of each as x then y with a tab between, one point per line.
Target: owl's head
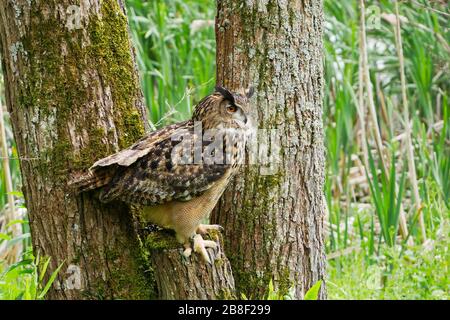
225	109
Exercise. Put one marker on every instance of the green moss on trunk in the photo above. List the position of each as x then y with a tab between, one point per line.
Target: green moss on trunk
69	79
111	43
58	86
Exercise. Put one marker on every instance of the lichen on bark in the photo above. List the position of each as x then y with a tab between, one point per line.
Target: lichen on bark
58	83
178	277
74	97
274	225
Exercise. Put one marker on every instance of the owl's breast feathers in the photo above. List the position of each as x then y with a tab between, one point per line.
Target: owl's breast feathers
155	169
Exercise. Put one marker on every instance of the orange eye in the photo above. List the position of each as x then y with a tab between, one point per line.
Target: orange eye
232	109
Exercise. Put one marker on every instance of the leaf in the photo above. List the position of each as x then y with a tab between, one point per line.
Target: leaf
16	193
24	262
272	295
43	269
4	236
50	281
271	286
12	222
313	292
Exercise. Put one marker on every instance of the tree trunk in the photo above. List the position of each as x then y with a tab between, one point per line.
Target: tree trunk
73	95
191	279
274	222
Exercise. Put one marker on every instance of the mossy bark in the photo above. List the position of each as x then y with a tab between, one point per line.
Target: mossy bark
73	95
274	223
189	279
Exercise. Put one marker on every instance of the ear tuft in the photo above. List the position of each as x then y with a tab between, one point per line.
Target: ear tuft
249	92
226	94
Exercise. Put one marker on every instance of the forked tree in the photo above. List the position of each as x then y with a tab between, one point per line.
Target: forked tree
72	91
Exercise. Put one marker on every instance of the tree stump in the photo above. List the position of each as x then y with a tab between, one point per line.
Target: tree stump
190	278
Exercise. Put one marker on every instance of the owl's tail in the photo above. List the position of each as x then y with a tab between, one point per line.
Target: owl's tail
90	181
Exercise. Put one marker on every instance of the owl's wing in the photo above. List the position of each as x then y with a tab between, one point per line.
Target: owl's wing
104	170
141	148
150	172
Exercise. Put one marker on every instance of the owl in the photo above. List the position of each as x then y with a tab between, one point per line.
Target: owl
178	173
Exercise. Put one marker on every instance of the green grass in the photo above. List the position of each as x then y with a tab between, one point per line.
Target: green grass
24	280
364	215
367	259
415	273
176	62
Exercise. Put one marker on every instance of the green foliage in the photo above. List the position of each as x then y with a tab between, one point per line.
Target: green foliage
313	292
386	198
175	46
273	294
367	259
415	273
24	280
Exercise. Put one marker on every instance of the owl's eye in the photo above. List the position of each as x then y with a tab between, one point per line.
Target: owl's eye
231	109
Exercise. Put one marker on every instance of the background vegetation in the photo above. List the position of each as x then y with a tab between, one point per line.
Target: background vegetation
370	186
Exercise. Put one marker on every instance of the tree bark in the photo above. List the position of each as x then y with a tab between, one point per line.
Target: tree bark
73	94
274	223
190	279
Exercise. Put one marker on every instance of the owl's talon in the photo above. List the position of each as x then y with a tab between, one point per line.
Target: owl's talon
187	252
204	228
200	246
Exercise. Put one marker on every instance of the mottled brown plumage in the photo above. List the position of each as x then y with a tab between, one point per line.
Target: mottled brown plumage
177	173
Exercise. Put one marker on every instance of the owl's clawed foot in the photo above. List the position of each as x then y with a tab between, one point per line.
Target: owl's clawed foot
204	228
200	246
187	250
